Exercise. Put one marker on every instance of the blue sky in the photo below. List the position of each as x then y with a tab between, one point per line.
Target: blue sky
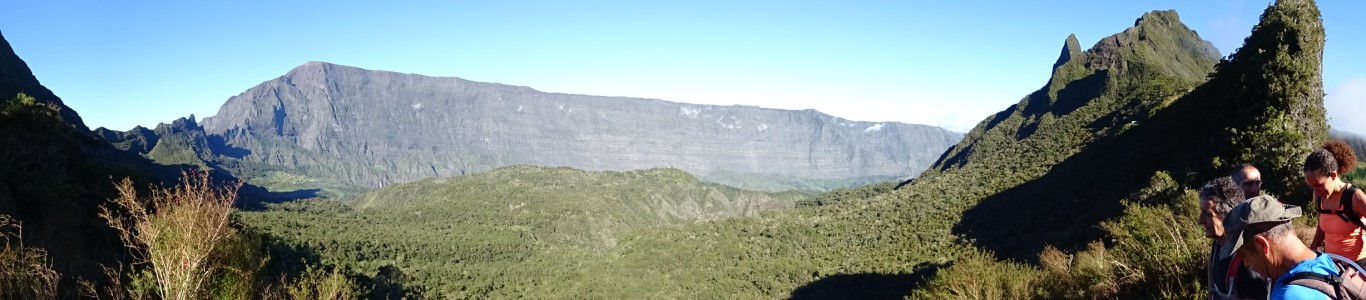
947	63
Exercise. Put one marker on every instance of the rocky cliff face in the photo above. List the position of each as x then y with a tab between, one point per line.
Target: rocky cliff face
373	128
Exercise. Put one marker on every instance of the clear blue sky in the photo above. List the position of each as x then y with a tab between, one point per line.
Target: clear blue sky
947	63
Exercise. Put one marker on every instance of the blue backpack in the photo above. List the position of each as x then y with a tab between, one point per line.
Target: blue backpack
1349	284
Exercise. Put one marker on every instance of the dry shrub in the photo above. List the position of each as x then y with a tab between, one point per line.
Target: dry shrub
176	231
1162	248
978	275
1090	274
24	272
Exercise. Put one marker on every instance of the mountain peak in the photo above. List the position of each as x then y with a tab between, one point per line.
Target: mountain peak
309	69
1163	17
314	64
1149	124
1070	48
1157	46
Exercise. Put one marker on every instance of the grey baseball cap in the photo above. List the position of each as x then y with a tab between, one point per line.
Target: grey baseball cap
1258	210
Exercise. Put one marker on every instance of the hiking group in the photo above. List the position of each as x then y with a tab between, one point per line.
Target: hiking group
1256	252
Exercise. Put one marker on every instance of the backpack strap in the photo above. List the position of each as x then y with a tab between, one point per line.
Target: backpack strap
1326	284
1232	274
1345	201
1332	285
1344	263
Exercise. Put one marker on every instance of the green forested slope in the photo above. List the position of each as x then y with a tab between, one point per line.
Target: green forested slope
1145	137
506	230
1080	190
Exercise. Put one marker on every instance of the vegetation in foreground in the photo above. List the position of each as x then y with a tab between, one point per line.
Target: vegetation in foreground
185	246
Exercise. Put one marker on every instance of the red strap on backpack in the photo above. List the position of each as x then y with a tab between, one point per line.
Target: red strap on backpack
1232	273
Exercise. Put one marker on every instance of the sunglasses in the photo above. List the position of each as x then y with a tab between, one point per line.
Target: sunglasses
1252	182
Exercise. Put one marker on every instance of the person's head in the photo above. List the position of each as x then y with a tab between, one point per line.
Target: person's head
1249	179
1260	232
1324	166
1216	198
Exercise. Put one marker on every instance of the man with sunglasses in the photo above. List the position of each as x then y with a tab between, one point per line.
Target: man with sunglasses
1248	179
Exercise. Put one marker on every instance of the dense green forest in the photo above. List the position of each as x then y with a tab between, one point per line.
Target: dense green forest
507	230
1081	190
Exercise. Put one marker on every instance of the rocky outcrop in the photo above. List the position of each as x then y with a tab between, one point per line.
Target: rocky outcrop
1070	48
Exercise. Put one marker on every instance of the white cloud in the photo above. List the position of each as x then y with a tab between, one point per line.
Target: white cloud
1344	104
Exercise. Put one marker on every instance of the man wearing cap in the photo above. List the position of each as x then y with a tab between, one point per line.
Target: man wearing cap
1260	233
1249	179
1229	277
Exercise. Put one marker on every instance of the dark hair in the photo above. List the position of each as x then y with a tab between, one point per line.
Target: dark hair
1224	193
1320	161
1334	156
1343	154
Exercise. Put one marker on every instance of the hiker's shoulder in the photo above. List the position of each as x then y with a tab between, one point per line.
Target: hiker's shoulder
1291	291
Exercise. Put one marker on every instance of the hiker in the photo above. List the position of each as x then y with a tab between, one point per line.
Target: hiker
1228	278
1249	179
1341	205
1260	233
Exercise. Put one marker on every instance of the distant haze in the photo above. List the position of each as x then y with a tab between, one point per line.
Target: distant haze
1345	106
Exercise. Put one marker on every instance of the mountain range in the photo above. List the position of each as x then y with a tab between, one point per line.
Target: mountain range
366	129
1083	189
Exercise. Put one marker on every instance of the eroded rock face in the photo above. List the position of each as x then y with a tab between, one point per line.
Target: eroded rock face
373	128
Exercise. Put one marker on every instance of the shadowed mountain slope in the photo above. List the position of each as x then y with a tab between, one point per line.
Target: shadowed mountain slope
1263	105
54	174
15	78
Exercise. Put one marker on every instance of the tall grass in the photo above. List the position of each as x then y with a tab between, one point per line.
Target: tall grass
1155	252
24	272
